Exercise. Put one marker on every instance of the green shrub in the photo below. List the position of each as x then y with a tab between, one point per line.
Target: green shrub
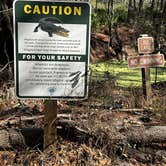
120	13
99	19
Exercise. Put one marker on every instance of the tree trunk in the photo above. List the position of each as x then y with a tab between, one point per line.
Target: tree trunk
161	5
109	17
10	138
147	135
164	11
96	6
6	38
152	5
134	3
130	10
140	5
158	4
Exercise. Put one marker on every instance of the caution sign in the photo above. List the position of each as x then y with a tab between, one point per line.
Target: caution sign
51	49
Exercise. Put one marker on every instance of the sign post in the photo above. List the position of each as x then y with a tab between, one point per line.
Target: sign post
145	61
52	41
146	46
50	123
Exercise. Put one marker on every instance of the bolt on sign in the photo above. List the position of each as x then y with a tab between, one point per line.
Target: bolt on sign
154	60
52	41
145	45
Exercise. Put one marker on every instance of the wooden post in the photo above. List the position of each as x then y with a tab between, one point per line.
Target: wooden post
50	123
146	46
146	85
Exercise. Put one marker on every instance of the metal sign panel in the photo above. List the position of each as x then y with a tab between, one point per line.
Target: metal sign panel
145	45
52	41
155	60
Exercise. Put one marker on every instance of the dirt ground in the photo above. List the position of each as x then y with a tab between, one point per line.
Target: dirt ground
106	117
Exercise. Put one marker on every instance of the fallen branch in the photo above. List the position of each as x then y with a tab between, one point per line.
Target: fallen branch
129	110
147	135
18	119
69	129
138	155
33	137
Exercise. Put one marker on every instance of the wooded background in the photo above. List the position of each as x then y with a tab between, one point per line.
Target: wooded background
149	16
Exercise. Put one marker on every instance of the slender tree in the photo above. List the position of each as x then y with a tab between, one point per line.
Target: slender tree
140	5
152	5
6	39
110	5
130	6
161	4
164	11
